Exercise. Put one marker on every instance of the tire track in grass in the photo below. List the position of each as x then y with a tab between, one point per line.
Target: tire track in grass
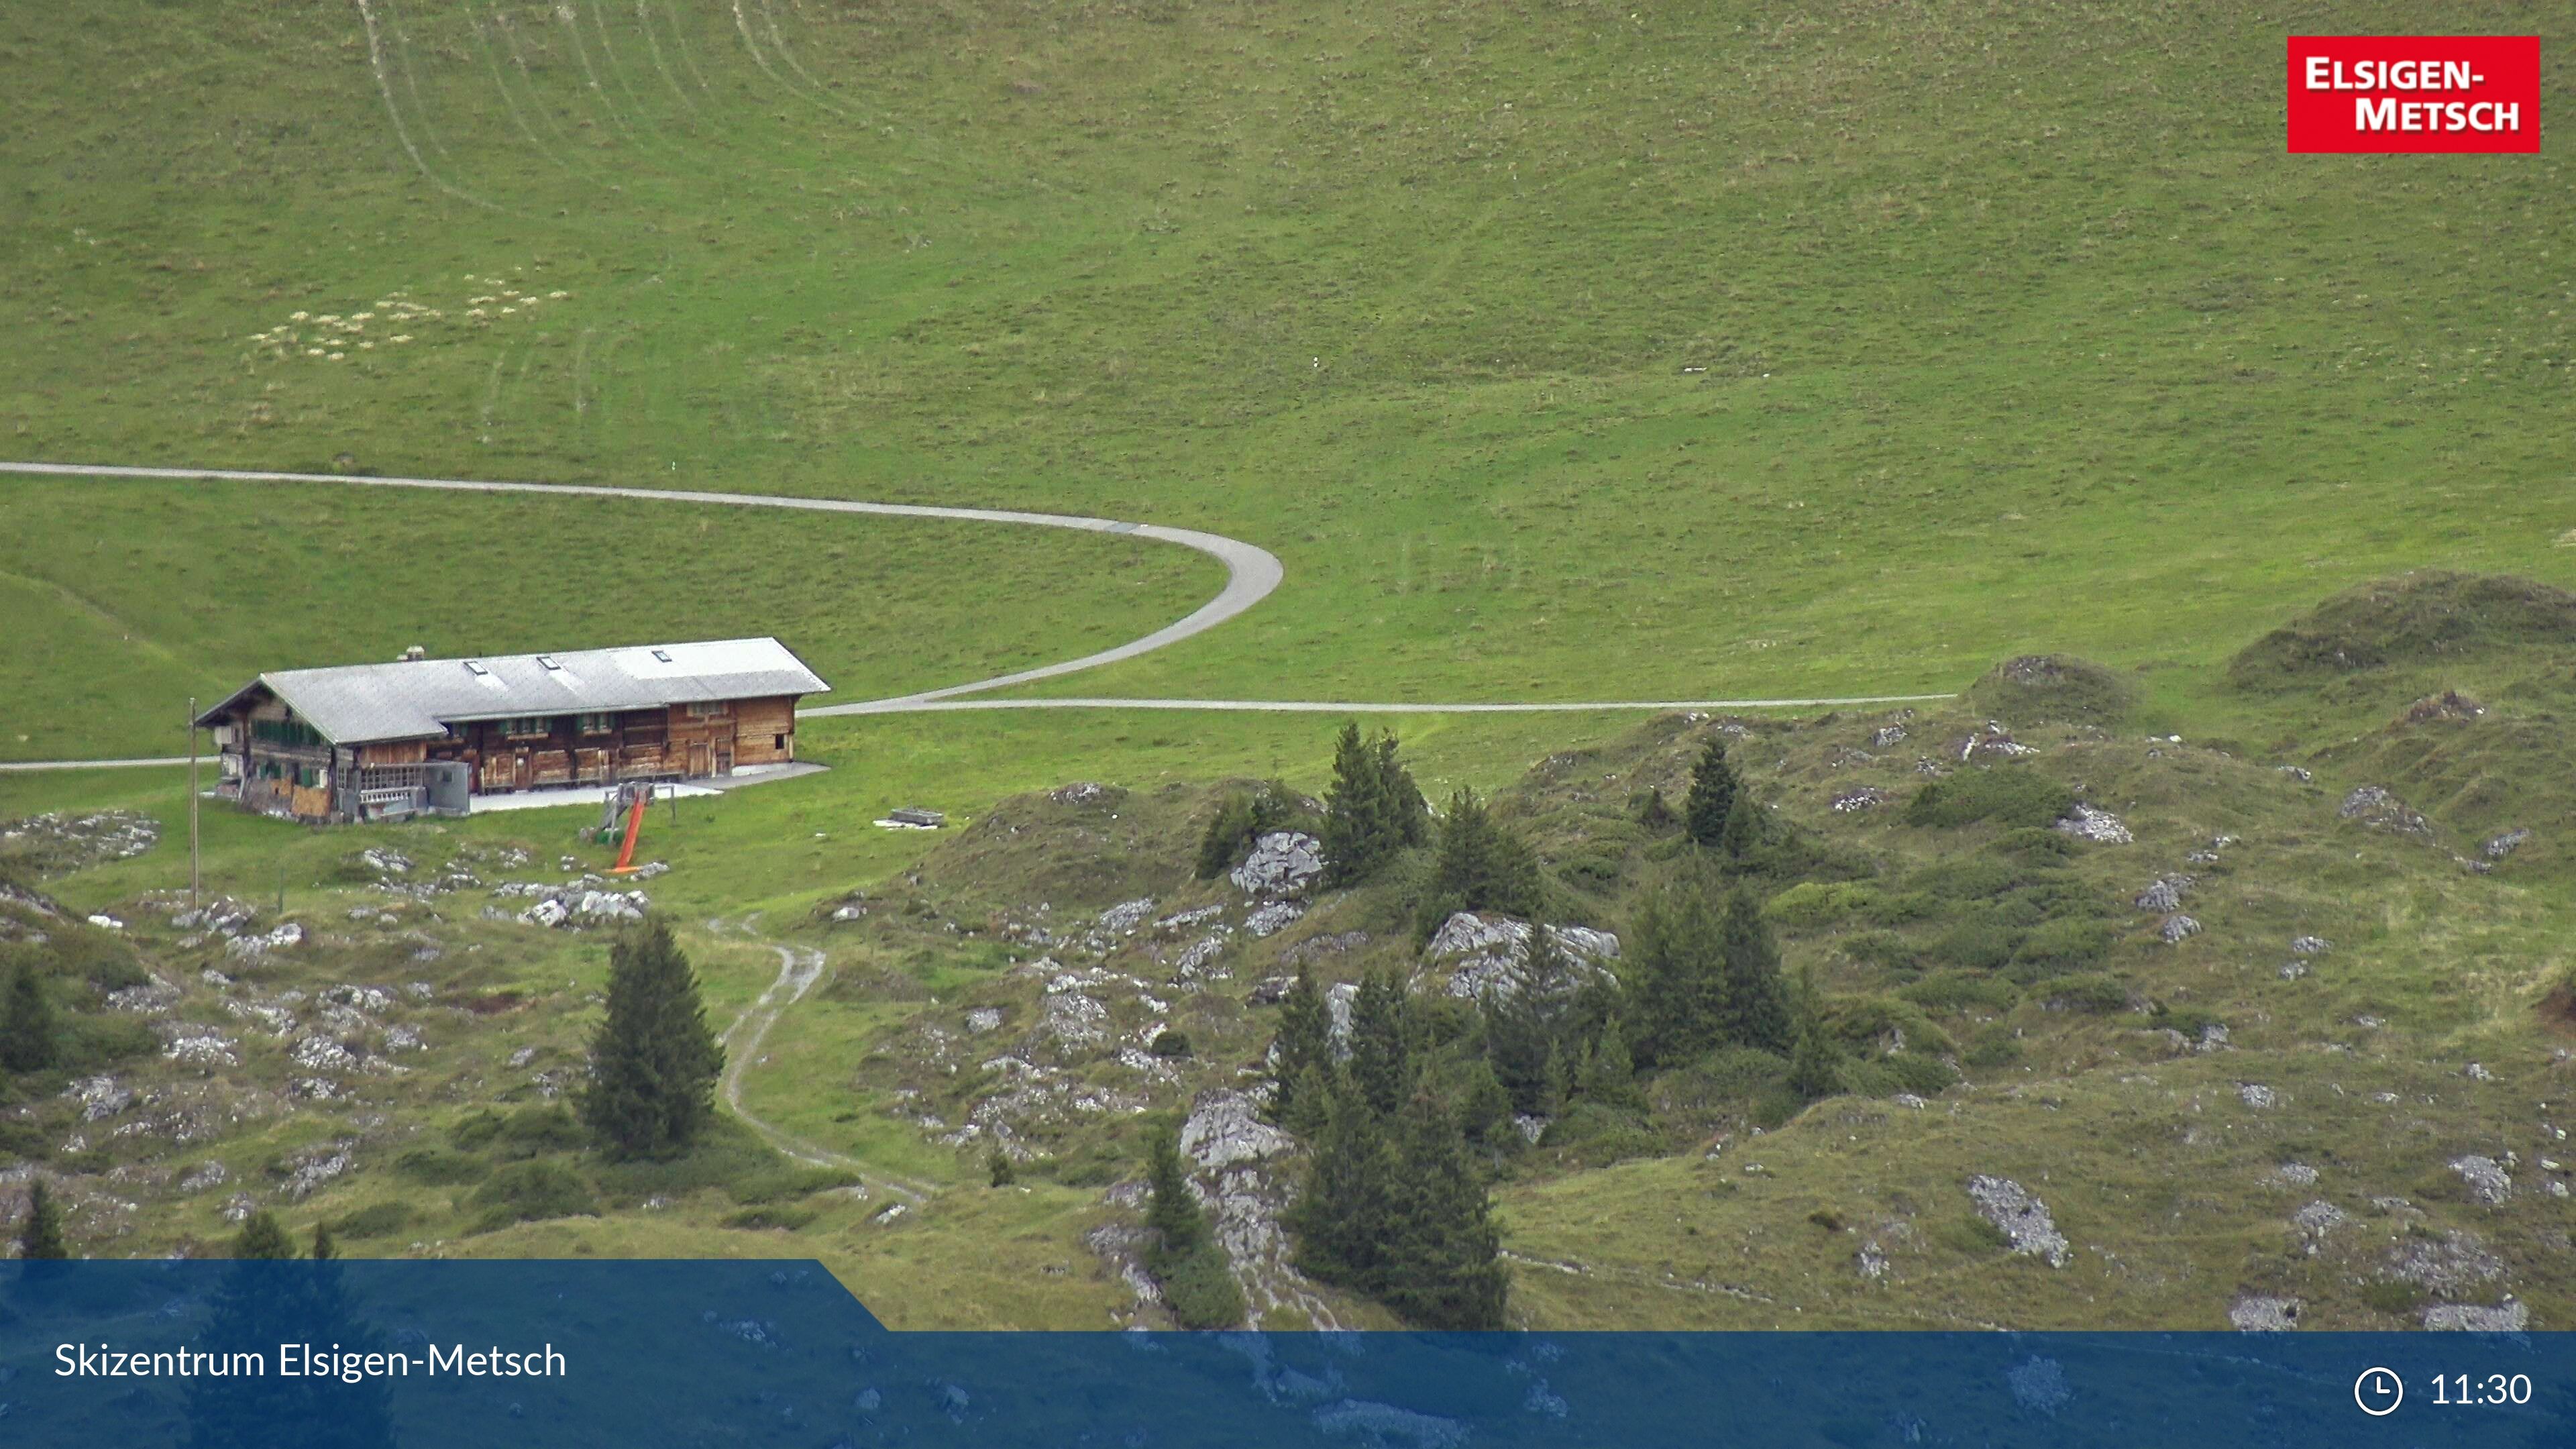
393	113
800	970
518	116
411	82
608	51
653	44
742	26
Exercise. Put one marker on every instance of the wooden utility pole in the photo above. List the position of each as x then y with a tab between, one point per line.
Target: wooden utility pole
195	876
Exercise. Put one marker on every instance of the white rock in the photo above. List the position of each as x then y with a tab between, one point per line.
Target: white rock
1225	1127
2022	1218
1283	864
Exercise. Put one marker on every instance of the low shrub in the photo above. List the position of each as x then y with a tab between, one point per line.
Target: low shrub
375	1220
1981	944
2006	794
772	1219
1961	991
1817	903
2092	992
2055	948
532	1191
441	1166
1877	948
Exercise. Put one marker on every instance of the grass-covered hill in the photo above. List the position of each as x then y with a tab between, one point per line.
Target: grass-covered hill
2281	1037
1562	350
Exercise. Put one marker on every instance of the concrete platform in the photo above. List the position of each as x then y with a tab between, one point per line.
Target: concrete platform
596	795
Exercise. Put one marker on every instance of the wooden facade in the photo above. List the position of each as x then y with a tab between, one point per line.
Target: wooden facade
407	756
276	766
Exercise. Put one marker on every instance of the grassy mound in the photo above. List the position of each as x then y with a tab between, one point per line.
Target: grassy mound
2429	616
2052	689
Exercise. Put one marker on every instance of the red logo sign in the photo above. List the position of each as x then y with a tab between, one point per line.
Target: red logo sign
2414	93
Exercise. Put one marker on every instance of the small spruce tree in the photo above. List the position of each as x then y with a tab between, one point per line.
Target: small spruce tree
27	1041
1481	865
1815	1059
1409	815
1361	833
1679	978
654	1060
1757	1006
1656	813
1556	1086
1382	1065
1712	794
1185	1258
1171	1211
1305	1045
1742	834
1525	1026
325	1247
1341	1217
40	1236
997	1167
262	1237
1443	1256
1609	1077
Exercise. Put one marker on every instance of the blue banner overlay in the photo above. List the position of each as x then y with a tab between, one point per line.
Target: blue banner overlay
500	1355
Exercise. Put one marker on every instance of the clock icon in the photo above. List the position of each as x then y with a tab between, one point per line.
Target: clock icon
2378	1391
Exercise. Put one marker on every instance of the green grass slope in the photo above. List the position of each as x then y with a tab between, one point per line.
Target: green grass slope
1560	351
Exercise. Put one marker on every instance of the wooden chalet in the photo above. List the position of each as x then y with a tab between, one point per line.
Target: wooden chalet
372	741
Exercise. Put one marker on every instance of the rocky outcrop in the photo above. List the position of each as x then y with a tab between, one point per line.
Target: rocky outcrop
1486	953
2021	1218
1284	865
2373	807
1232	1153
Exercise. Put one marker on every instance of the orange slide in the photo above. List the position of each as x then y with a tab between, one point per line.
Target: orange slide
634	827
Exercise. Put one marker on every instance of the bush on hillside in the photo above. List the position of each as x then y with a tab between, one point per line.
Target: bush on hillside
2007	794
2052	689
2426	617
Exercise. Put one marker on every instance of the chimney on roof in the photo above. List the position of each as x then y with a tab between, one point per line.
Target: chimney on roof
414	652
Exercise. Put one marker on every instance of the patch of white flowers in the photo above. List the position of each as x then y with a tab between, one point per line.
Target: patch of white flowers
333	335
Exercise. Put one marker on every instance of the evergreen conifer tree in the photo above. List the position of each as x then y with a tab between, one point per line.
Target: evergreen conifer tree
1171	1211
1742	834
265	1302
1305	1045
1381	1063
1481	866
1525	1025
1757	1008
1679	976
654	1060
40	1237
1656	813
1609	1076
1484	1108
262	1237
1442	1254
26	1022
1361	832
1341	1217
998	1170
1185	1258
1815	1059
1409	814
1712	794
1557	1082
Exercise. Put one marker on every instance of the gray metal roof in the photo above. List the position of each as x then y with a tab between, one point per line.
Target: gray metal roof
418	698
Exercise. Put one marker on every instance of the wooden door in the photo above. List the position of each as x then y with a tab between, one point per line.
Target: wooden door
701	762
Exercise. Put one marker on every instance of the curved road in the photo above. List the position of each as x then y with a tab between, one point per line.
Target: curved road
1251	574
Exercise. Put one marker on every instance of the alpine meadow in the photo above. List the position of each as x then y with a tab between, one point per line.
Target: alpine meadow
1914	682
